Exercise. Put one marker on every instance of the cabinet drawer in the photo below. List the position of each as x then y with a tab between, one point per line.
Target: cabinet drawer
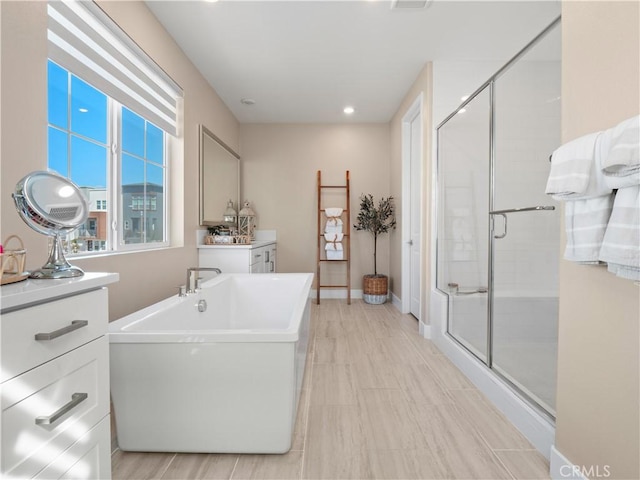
29	442
88	459
20	351
257	255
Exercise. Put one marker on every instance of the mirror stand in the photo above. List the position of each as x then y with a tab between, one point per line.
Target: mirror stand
57	266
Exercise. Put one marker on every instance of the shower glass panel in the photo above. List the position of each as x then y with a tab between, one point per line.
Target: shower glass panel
526	124
498	233
464	225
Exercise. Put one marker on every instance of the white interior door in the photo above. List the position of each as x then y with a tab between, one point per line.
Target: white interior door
415	214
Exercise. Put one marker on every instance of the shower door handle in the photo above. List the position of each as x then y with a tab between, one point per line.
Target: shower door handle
523	209
504	216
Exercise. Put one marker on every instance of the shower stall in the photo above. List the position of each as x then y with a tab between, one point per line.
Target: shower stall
497	232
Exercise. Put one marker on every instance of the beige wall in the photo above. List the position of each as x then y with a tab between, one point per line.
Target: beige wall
598	422
144	277
279	165
422	85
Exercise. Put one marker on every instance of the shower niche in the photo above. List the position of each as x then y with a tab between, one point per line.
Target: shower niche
498	233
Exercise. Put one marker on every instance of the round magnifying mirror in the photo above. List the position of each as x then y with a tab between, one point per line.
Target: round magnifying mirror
54	206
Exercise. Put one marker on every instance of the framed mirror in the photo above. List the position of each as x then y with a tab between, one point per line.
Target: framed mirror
219	178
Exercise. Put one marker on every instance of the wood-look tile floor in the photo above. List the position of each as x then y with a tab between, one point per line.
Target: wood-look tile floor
378	402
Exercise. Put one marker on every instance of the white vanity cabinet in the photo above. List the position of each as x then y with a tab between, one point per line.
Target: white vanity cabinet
54	389
259	257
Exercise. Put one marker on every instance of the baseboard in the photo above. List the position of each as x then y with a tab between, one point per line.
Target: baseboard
424	330
562	469
396	302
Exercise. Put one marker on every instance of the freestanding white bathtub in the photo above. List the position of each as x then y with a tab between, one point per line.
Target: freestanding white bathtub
226	380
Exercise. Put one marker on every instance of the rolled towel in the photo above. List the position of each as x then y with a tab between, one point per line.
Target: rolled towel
333	237
621	165
333	229
333	246
575	172
585	224
621	243
334	251
333	215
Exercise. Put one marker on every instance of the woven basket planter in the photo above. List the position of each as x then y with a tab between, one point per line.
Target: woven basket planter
374	289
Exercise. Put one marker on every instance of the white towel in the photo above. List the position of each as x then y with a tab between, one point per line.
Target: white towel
333	237
585	224
337	247
333	211
333	229
621	243
621	165
575	172
334	251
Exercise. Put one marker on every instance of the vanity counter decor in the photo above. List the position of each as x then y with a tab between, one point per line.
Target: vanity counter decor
227	240
12	260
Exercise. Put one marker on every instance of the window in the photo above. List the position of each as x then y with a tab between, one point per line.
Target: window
112	113
85	126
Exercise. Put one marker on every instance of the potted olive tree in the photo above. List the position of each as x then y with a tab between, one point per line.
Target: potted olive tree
376	220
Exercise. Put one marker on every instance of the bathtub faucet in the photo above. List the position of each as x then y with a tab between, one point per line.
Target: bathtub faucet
192	284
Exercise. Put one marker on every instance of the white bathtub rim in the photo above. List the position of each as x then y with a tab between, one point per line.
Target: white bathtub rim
118	332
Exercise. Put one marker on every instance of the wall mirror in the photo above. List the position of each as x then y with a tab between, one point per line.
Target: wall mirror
219	178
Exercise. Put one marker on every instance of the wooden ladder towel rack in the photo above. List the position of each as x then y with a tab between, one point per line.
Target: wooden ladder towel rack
346	239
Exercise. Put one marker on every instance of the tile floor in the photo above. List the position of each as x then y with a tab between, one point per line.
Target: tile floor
378	402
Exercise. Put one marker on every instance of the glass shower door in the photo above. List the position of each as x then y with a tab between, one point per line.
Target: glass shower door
463	143
525	227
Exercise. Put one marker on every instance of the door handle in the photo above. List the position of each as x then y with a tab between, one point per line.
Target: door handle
410	243
504	234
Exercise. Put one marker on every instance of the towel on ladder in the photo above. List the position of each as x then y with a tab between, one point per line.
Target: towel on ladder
333	237
334	251
334	222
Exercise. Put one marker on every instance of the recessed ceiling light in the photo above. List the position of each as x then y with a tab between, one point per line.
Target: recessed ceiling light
462	110
83	110
247	101
211	1
349	110
462	99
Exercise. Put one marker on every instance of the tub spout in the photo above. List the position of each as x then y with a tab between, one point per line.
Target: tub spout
191	284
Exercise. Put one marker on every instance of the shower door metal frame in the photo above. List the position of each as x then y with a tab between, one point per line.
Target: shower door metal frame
490	83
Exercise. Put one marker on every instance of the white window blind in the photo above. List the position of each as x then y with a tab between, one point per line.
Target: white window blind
83	39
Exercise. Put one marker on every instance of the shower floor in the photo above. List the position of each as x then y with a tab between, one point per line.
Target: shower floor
532	367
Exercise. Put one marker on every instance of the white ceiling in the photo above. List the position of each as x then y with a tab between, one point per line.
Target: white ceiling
302	61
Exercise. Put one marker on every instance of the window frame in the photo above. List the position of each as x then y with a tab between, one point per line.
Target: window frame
114	208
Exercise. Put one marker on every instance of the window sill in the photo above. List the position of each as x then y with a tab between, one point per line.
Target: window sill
84	256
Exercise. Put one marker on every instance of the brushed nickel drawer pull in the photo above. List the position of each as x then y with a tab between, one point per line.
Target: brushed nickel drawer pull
76	399
75	325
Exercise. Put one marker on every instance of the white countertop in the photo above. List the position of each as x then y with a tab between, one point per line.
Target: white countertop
15	295
239	246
